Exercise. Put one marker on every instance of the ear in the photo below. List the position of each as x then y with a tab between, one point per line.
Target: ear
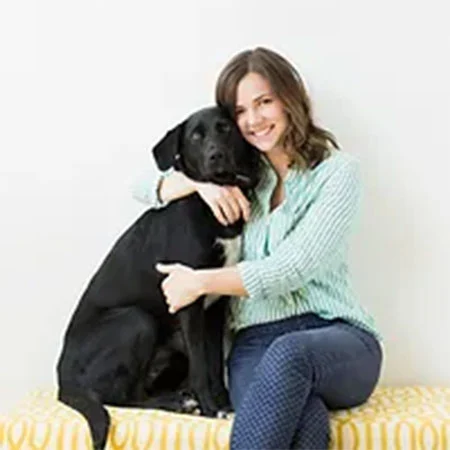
168	147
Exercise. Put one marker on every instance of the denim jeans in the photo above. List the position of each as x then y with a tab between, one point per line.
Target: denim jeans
285	376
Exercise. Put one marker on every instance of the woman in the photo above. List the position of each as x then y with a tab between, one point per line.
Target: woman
302	343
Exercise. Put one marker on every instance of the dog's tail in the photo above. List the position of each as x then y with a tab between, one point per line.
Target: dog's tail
88	403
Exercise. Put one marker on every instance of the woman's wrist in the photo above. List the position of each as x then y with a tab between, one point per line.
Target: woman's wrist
193	185
221	281
189	185
175	186
204	281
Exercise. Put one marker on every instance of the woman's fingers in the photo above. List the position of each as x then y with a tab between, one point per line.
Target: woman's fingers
217	211
227	203
166	268
243	203
230	207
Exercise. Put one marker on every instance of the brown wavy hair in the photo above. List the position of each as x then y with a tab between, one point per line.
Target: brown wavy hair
309	143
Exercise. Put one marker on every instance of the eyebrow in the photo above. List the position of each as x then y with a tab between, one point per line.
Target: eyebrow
261	96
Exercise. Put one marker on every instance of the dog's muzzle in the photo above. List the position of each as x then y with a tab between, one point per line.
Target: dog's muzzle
243	180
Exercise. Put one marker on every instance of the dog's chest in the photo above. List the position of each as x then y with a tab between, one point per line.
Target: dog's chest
231	249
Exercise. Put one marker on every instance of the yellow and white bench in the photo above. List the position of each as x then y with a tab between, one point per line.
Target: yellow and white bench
407	418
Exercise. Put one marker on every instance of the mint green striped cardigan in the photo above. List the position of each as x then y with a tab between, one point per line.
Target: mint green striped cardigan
294	258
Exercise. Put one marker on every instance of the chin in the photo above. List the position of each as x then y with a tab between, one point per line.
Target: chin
265	148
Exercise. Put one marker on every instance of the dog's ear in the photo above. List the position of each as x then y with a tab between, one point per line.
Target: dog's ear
166	150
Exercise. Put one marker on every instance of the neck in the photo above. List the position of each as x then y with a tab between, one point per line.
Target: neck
280	160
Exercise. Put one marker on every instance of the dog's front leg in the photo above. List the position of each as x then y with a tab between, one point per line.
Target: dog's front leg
192	320
215	330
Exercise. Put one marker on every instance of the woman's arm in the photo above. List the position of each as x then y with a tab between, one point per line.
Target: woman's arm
227	203
176	185
222	281
184	285
156	189
310	247
300	256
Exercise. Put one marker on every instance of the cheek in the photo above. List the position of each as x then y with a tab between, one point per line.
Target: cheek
277	113
284	120
240	122
281	118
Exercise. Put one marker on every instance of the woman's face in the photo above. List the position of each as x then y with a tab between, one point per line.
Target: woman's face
260	114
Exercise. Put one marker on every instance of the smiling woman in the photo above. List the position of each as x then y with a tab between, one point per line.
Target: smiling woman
260	115
302	343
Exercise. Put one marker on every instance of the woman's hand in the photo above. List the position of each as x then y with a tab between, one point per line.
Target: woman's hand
227	203
181	287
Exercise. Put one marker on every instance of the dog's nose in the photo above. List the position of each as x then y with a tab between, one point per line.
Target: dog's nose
216	156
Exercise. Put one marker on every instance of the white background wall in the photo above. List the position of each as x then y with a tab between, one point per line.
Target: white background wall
86	87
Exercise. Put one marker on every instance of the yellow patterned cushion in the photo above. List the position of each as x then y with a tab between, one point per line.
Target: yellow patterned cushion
409	418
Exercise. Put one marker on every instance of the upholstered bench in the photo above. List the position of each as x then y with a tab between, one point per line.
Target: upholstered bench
409	418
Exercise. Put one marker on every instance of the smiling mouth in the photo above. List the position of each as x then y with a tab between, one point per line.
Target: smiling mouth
262	133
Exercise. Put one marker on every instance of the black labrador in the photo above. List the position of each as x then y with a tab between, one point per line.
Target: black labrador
122	347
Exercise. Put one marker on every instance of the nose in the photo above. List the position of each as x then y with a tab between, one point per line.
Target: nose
253	117
216	156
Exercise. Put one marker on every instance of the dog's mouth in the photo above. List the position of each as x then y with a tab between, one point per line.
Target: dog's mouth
243	180
233	179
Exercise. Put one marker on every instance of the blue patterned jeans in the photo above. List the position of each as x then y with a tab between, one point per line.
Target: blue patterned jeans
286	376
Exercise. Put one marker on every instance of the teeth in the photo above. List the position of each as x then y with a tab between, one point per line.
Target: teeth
262	132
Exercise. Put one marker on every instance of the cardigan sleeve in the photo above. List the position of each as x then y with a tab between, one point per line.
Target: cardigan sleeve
145	188
310	245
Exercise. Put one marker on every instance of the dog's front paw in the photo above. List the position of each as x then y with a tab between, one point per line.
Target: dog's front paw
190	405
225	414
222	400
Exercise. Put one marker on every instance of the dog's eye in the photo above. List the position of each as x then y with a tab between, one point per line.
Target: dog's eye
223	127
196	136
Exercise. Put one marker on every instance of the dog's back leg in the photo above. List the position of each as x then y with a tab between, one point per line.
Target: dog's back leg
180	402
87	402
168	372
106	364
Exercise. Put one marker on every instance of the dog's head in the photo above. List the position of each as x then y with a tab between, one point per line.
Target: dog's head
208	147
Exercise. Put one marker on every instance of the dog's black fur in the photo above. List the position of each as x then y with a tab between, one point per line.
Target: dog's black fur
122	347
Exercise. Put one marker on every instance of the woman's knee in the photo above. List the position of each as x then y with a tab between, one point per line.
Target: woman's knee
288	353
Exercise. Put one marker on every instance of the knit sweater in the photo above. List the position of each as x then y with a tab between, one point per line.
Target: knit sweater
294	258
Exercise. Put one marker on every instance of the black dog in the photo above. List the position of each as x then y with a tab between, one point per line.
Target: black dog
122	347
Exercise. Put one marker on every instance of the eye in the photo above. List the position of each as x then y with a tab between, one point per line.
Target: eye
266	101
196	136
223	127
